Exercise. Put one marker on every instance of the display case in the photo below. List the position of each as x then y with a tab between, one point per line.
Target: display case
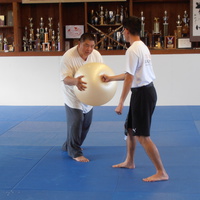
38	29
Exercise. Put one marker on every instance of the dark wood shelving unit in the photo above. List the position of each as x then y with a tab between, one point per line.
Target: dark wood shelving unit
62	14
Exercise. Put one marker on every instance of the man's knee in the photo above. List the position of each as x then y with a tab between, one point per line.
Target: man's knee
142	139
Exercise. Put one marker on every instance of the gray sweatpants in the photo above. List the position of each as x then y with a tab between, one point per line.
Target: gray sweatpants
78	125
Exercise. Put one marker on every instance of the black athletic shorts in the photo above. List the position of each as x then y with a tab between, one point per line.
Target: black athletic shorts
142	105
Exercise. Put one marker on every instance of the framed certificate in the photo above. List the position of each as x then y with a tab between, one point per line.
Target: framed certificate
184	43
195	21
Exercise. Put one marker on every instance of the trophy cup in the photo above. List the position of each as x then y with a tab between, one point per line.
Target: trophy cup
92	16
53	43
1	44
45	44
106	17
37	41
102	44
109	47
179	27
41	29
30	44
185	28
142	24
111	17
165	24
156	25
24	43
50	28
118	38
117	17
31	28
58	38
126	13
101	15
122	14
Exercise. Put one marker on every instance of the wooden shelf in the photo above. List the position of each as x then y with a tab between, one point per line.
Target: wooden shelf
62	14
103	52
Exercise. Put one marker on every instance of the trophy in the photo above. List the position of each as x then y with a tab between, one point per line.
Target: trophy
101	15
111	17
126	13
122	14
109	46
165	24
156	25
1	44
117	17
185	28
142	24
106	17
53	43
179	27
118	38
37	41
41	29
170	42
25	43
102	44
92	16
45	44
46	36
50	28
30	44
31	29
5	46
58	38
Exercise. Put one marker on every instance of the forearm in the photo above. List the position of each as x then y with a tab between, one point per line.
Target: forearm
70	81
126	87
119	77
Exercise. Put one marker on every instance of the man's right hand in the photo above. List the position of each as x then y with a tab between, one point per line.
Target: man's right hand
80	83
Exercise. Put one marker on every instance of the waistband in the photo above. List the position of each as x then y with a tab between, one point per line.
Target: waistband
142	87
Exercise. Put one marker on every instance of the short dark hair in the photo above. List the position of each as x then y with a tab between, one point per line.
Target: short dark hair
87	36
133	24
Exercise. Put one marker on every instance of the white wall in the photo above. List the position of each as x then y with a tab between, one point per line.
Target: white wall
35	80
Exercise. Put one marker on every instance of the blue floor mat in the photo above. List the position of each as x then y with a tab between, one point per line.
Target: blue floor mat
34	167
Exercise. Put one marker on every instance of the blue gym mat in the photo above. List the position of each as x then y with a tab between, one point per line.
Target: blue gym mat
33	166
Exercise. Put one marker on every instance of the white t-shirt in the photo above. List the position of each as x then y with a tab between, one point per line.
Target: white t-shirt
70	63
139	64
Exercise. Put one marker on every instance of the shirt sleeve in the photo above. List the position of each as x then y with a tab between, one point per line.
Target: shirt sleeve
131	62
65	69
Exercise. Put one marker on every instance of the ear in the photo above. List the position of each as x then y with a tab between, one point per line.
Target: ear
79	43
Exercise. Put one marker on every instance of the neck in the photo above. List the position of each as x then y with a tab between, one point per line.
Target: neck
81	55
134	38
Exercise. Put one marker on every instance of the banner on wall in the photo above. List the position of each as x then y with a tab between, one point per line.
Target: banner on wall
63	1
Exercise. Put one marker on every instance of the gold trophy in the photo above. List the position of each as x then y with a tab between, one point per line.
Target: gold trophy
156	25
179	27
165	24
185	28
142	24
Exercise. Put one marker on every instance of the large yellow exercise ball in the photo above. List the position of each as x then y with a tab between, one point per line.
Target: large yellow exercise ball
97	92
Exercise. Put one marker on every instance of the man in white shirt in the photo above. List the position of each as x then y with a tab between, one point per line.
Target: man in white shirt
138	78
79	115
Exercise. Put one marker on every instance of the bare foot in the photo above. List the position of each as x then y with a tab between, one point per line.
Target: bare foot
157	177
125	165
81	159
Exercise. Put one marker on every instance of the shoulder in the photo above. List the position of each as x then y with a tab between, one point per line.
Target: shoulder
95	52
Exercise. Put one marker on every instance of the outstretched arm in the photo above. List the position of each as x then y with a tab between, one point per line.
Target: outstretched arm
106	78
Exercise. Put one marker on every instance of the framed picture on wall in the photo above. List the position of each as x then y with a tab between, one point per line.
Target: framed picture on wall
195	21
